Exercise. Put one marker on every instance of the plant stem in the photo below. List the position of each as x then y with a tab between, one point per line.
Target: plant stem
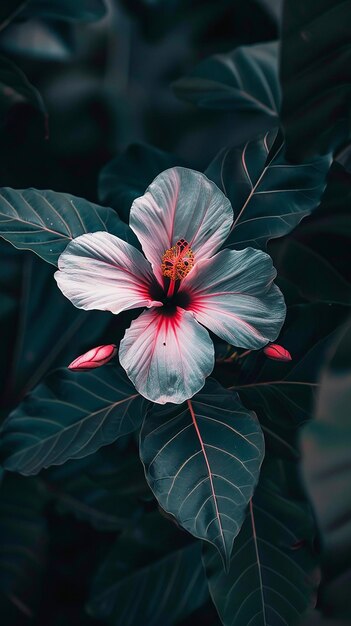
243	354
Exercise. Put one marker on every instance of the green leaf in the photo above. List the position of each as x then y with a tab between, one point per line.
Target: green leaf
128	175
202	461
79	10
283	394
46	221
269	196
17	91
311	270
150	577
315	76
68	416
30	348
23	543
325	445
245	79
272	575
316	257
106	492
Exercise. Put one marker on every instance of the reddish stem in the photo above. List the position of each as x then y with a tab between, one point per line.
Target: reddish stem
243	354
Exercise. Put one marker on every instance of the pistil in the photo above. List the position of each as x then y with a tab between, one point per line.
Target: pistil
177	262
171	288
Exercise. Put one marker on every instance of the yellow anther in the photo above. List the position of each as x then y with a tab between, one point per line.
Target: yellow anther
177	261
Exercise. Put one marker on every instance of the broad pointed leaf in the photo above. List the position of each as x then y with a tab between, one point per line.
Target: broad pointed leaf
68	416
128	175
283	394
46	221
245	79
202	461
325	448
272	576
316	257
150	577
105	489
269	196
315	76
325	445
23	543
30	348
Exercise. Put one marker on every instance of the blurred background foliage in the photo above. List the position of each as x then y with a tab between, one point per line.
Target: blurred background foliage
79	83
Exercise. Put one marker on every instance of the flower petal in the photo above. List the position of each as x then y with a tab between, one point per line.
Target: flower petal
233	295
101	271
181	204
167	357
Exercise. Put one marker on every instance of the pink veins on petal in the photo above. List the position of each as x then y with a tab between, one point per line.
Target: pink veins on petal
182	281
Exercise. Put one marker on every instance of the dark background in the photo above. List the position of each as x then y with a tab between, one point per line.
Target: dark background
106	85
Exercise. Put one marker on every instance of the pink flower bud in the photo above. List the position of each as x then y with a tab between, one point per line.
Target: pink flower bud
94	358
276	352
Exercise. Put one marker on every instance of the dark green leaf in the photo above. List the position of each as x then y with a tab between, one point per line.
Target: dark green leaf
326	453
128	175
283	394
17	91
325	446
316	257
30	348
68	416
150	577
245	79
272	576
269	197
92	502
311	270
23	543
104	489
202	461
79	10
46	221
315	76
